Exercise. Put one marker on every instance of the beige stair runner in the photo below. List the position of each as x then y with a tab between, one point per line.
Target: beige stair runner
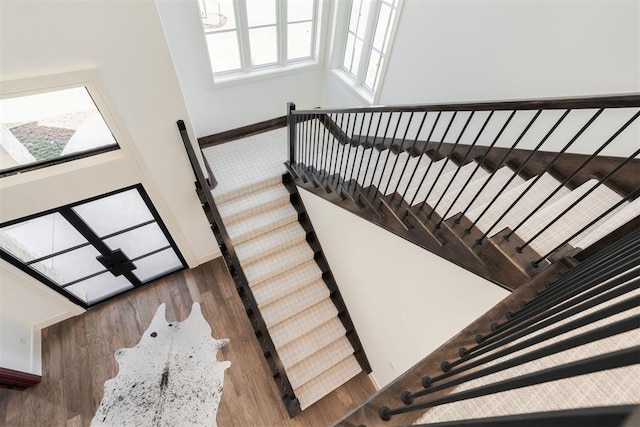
288	287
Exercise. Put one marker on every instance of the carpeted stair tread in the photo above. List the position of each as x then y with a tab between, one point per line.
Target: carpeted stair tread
580	215
432	173
369	173
294	303
456	183
325	383
621	217
269	243
251	227
277	263
252	203
302	323
380	165
231	192
286	282
490	190
319	362
398	179
536	194
300	348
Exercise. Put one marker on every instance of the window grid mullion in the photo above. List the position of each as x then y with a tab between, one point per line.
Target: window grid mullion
314	23
281	32
367	43
343	21
244	43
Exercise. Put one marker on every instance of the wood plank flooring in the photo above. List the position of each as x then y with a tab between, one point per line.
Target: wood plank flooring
78	357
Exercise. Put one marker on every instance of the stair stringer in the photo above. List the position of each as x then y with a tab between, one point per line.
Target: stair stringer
327	275
413	225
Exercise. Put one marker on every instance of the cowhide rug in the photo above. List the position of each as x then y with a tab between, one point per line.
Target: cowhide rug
170	378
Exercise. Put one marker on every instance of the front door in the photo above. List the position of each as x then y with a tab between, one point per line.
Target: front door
94	249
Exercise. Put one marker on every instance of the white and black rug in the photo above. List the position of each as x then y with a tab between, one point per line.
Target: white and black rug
170	378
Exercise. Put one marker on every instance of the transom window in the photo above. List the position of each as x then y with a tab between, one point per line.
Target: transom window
369	25
245	36
47	128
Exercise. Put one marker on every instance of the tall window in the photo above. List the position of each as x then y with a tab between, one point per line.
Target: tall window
244	36
369	25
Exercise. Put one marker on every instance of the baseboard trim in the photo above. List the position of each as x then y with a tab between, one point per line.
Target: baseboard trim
242	132
17	380
209	257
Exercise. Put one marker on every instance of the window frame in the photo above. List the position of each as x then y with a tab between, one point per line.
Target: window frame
357	82
282	65
88	79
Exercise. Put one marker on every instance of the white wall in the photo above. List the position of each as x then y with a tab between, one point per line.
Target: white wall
137	85
26	307
456	51
216	108
404	301
466	50
125	43
494	49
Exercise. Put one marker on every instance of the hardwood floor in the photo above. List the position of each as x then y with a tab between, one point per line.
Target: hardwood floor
78	357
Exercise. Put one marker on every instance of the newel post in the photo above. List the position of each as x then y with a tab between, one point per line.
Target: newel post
291	132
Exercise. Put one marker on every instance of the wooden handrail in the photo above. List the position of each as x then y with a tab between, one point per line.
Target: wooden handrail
582	102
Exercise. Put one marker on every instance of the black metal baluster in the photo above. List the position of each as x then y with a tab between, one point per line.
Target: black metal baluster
606	331
470	178
628	197
419	157
539	317
353	147
308	132
604	292
602	295
343	146
357	145
579	168
328	121
561	291
338	147
435	181
400	151
380	152
455	174
612	360
520	169
506	155
571	276
389	152
316	143
537	178
363	144
424	150
580	199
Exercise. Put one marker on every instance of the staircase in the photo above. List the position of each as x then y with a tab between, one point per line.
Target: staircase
501	208
291	290
282	277
494	202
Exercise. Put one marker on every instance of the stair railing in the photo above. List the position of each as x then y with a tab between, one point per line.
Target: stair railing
204	186
603	286
365	154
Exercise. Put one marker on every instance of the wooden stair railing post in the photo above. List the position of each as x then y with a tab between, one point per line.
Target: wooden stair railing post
291	132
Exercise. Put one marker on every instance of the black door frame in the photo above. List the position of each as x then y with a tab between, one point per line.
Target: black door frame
95	241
